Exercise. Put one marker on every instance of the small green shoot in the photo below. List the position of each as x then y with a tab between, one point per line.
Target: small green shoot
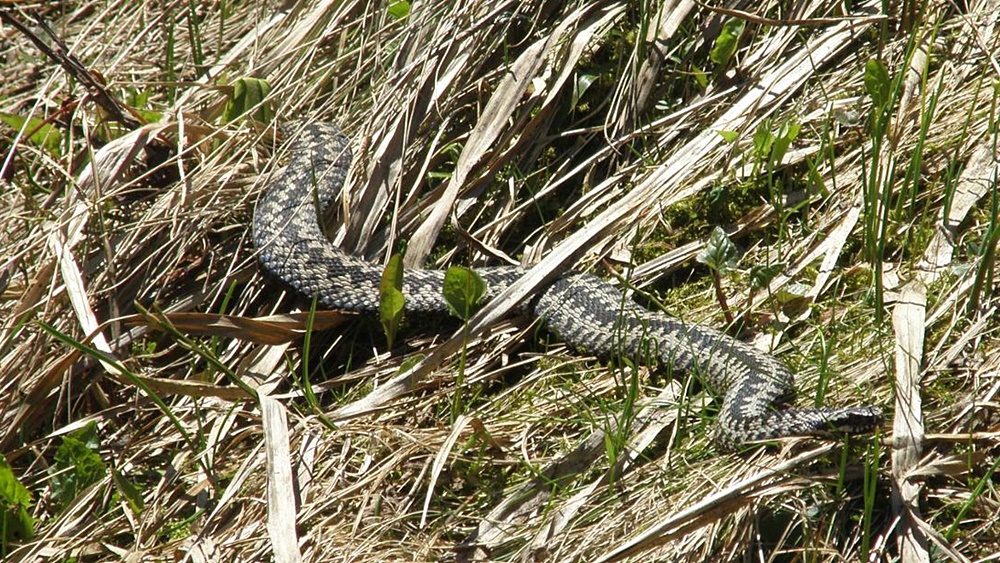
408	364
875	195
720	255
128	490
869	492
194	35
77	464
307	389
391	301
793	298
138	101
619	419
726	43
770	147
463	291
249	96
761	277
700	76
877	83
982	286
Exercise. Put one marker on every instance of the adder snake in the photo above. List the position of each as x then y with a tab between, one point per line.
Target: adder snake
580	308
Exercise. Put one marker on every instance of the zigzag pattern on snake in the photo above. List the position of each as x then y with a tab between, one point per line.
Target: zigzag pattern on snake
582	309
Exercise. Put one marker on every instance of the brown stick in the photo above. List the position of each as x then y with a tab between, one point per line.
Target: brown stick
60	53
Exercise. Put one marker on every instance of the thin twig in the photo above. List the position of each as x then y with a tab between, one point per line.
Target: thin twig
61	54
806	22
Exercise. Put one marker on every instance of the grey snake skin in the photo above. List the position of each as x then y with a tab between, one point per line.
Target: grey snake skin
585	311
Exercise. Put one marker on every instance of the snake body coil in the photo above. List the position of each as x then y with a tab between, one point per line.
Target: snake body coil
582	309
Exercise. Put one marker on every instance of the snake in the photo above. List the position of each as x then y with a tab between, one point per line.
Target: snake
582	309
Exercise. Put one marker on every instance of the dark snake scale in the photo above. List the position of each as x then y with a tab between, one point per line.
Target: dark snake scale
585	311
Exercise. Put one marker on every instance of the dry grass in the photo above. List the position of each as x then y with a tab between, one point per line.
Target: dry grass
131	298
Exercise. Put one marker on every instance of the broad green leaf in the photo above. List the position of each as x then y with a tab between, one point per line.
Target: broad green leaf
40	133
391	301
719	253
15	500
77	465
726	43
249	95
729	136
399	9
877	82
463	291
11	490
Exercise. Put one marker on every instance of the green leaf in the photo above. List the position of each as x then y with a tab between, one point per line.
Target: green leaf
249	95
77	465
816	180
399	9
700	76
391	302
15	500
729	136
727	41
877	82
786	136
148	115
463	291
792	297
770	147
719	253
580	87
409	363
128	490
763	140
38	131
761	276
11	490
